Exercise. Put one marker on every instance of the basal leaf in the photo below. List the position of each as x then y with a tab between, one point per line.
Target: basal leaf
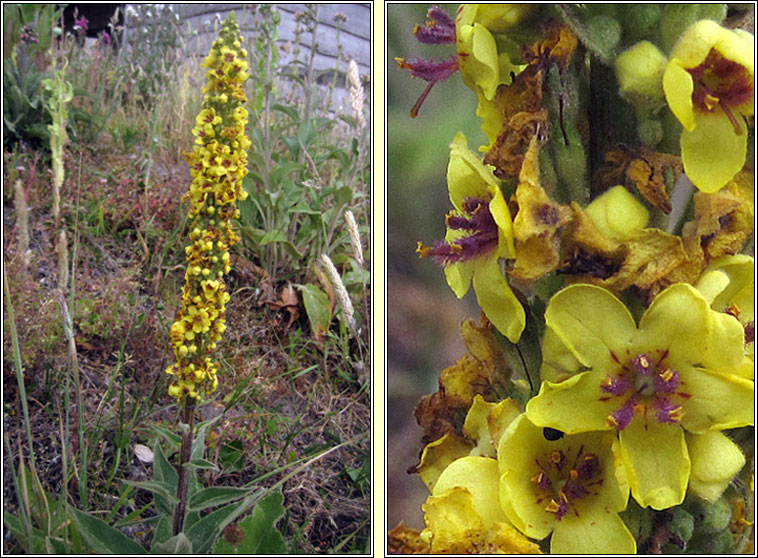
103	538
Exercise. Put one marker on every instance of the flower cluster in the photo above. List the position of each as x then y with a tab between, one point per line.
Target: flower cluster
218	163
625	295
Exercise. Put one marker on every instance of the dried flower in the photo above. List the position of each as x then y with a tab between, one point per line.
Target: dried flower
356	94
355	237
342	296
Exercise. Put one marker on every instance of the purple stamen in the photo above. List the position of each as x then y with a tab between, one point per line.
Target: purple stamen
667	381
458	222
642	365
668	412
439	29
615	386
620	418
589	467
542	481
483	235
575	490
749	332
432	71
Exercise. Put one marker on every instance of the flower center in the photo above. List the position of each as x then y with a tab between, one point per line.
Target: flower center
480	234
642	384
719	81
563	479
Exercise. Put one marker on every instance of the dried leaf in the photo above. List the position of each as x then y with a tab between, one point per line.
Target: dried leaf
405	540
643	261
650	185
507	153
559	45
726	219
644	169
290	303
520	105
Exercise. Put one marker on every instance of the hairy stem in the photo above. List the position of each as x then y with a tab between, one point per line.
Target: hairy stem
184	457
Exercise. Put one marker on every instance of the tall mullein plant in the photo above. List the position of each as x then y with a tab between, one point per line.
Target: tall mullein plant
218	163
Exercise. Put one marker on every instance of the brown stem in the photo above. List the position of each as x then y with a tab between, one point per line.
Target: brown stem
184	457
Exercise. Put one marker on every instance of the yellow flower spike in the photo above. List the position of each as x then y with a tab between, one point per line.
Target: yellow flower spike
675	372
218	163
568	485
709	86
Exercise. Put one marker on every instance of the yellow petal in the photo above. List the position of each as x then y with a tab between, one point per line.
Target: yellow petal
712	153
698	40
591	322
496	299
657	462
678	320
480	476
467	176
438	455
594	531
678	87
715	461
475	427
572	406
718	401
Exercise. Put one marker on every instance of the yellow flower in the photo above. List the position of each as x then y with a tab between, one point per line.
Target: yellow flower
729	285
709	87
462	516
483	66
678	371
571	486
479	235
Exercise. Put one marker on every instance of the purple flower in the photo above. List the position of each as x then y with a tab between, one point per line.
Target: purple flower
81	23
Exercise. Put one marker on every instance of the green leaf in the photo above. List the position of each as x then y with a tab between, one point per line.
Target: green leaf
178	544
261	535
318	308
344	195
306	133
216	496
289	111
172	438
158	488
162	533
203	533
202	464
103	538
231	456
163	471
278	237
293	144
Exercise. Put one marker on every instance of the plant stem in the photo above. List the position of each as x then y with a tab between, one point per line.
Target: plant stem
184	457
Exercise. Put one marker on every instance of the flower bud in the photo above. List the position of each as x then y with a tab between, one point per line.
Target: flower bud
617	213
639	70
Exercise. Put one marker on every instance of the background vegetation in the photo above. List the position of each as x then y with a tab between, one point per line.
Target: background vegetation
92	349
